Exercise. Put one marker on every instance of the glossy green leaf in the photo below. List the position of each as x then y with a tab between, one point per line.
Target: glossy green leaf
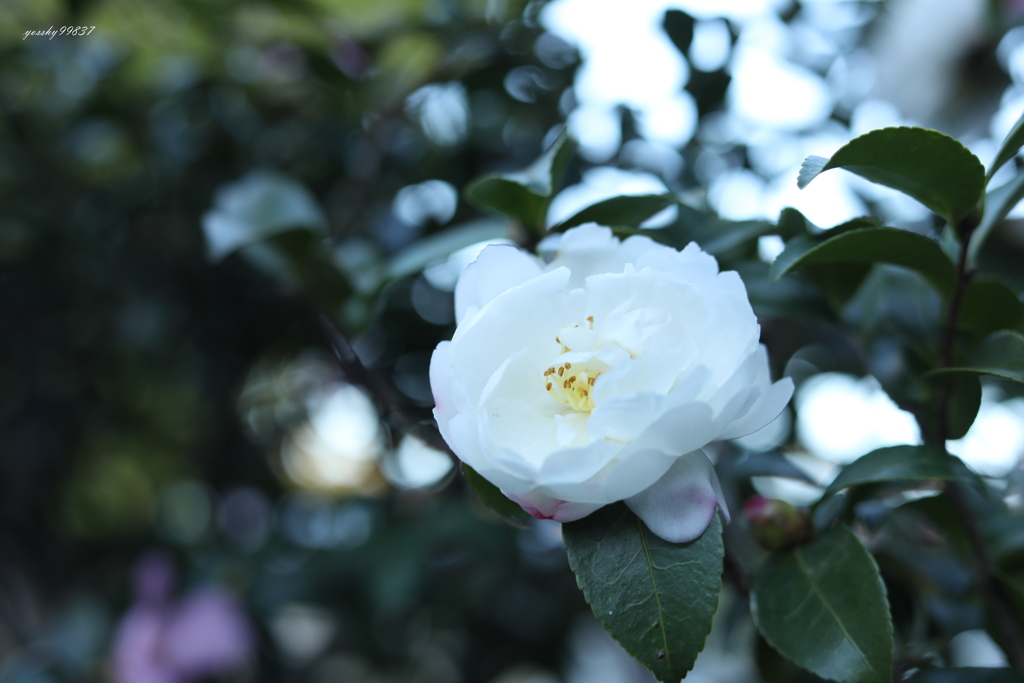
998	203
656	598
1000	355
792	223
931	167
990	305
823	606
625	211
524	195
899	463
870	245
963	401
1011	145
968	675
838	281
493	498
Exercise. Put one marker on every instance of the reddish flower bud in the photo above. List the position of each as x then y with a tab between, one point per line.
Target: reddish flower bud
775	524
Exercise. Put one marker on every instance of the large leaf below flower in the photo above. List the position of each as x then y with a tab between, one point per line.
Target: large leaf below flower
933	168
823	606
656	598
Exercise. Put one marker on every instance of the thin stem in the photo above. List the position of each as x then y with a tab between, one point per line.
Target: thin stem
963	281
992	592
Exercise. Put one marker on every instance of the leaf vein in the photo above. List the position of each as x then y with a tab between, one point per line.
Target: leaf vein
657	597
821	596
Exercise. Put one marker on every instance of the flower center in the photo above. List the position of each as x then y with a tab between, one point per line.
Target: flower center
571	385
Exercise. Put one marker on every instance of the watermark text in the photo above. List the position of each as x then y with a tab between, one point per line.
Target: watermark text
53	32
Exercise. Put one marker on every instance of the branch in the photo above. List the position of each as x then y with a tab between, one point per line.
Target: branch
991	590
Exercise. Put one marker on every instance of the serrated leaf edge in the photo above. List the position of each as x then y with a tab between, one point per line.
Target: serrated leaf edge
885	598
811	167
718	594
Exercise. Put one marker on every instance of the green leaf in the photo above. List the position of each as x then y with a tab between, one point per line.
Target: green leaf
625	211
933	168
823	605
732	236
1011	145
899	463
1000	355
524	195
870	245
990	305
968	675
656	598
792	223
809	170
259	206
837	281
771	464
726	240
793	297
962	403
998	203
435	248
491	496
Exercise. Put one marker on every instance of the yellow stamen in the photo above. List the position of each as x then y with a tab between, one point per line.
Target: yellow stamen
573	388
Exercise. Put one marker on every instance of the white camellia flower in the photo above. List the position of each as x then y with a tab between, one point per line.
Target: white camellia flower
599	376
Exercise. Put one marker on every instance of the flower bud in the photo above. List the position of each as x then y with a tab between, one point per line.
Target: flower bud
775	524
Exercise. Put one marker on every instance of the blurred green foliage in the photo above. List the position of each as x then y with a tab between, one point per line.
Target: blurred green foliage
150	384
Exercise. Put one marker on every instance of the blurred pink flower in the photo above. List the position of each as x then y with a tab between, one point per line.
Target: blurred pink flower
163	640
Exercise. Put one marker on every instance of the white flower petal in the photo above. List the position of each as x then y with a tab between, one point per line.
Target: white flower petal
692	264
462	433
679	430
545	507
665	354
498	268
680	505
577	473
449	393
774	397
525	317
591	249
